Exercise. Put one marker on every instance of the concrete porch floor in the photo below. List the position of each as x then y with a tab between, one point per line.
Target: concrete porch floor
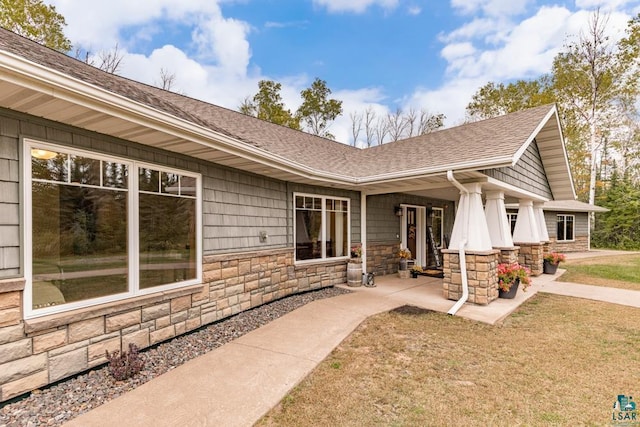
426	292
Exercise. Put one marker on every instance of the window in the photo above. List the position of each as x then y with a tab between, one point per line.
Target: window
321	227
565	227
94	234
512	218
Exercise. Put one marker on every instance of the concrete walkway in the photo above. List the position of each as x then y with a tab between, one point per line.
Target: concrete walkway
239	382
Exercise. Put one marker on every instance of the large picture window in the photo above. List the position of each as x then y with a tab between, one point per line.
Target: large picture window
321	227
94	234
565	227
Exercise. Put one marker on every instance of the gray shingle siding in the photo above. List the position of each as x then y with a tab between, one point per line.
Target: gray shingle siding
384	226
580	225
9	199
528	173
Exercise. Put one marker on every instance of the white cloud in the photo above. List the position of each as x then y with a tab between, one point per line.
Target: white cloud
414	10
354	6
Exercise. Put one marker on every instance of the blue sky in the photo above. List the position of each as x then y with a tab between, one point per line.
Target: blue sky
378	54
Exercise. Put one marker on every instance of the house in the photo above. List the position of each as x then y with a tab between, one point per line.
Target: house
568	223
129	214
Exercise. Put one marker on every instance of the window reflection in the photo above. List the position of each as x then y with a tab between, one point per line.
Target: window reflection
79	243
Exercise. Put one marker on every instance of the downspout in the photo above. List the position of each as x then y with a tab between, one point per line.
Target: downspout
463	244
363	230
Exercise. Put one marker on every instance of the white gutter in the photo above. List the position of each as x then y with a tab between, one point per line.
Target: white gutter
463	244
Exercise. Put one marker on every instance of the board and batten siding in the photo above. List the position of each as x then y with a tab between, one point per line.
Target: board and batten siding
528	173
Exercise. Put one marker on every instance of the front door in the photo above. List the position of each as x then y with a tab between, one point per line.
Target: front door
412	231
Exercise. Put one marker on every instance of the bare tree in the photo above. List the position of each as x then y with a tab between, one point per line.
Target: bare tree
110	60
410	118
430	122
369	126
356	126
167	79
381	130
396	125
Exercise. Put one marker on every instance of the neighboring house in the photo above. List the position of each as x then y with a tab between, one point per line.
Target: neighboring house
129	214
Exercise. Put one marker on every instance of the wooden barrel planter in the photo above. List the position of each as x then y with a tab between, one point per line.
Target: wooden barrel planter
354	272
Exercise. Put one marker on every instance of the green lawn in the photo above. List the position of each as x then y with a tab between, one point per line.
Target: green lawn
613	271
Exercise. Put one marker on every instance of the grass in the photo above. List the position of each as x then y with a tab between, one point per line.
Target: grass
621	271
555	361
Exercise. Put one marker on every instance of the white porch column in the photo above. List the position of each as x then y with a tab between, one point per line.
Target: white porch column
496	213
526	230
471	222
542	224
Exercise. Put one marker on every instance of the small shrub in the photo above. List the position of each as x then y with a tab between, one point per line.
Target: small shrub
125	365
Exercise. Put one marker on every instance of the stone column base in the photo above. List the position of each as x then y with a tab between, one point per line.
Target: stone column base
509	255
532	256
482	275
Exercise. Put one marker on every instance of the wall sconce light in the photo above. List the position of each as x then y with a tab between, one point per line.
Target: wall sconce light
398	211
263	236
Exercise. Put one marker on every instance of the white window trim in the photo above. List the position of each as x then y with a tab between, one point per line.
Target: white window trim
323	231
441	210
133	230
573	227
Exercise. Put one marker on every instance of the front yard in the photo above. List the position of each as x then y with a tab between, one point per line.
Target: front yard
555	361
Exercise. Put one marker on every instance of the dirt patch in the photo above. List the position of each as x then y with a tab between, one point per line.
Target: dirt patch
411	310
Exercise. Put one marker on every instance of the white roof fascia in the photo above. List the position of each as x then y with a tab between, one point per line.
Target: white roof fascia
496	162
18	70
531	137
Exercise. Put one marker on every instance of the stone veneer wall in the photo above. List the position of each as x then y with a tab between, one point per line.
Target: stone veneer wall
532	255
482	275
382	258
580	244
509	255
37	352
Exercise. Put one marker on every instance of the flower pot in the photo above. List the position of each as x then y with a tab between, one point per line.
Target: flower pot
511	293
403	263
549	268
414	274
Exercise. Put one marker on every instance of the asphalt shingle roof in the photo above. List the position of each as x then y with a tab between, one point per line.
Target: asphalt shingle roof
441	150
